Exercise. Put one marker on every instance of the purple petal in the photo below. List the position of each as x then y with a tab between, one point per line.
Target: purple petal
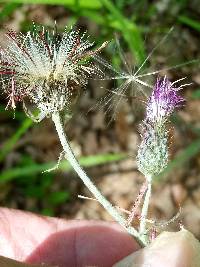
163	100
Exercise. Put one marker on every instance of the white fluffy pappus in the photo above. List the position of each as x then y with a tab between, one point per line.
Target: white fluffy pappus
46	69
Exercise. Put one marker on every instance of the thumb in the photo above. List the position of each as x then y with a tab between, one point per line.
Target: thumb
180	249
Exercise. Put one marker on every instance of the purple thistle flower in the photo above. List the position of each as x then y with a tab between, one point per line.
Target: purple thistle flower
152	155
163	100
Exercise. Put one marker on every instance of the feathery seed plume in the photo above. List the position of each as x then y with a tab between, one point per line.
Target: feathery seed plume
46	69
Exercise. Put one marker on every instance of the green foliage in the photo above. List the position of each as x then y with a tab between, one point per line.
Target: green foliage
129	29
196	94
7	10
94	4
17	115
56	198
189	22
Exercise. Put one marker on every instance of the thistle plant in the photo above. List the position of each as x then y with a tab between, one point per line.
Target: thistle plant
50	71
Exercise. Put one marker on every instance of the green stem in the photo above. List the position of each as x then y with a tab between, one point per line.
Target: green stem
89	184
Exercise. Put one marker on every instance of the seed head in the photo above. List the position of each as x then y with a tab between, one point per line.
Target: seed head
46	69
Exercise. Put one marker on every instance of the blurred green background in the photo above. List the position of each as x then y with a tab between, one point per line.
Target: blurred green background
105	148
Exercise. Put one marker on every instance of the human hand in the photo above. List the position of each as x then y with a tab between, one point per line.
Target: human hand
35	239
30	238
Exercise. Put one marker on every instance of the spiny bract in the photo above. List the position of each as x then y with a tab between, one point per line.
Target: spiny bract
152	157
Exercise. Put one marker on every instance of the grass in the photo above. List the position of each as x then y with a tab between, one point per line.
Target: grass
12	141
194	24
7	10
94	4
33	168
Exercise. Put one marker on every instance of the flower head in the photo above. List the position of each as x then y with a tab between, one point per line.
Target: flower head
152	155
163	100
47	69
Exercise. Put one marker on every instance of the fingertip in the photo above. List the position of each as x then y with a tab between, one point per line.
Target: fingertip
169	249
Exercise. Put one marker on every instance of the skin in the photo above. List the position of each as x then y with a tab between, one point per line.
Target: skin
33	239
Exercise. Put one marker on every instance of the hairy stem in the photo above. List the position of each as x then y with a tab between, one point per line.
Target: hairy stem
145	208
137	203
90	185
